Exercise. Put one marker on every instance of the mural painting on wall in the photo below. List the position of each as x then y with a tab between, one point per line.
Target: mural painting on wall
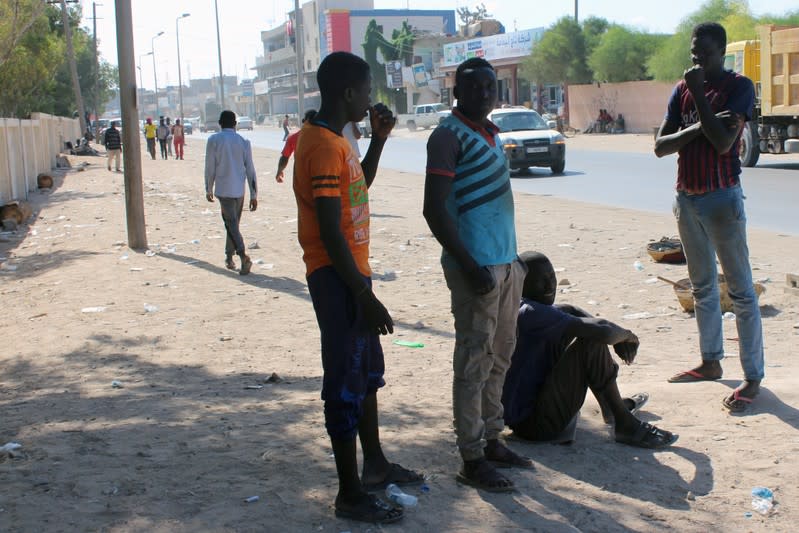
398	49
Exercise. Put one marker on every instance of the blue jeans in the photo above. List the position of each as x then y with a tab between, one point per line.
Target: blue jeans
714	224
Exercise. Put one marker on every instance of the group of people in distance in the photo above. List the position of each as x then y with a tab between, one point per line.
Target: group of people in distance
520	359
605	123
166	134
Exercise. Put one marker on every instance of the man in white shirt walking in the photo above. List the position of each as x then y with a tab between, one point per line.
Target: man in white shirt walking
228	164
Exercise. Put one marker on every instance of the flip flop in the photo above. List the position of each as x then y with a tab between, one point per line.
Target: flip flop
690	376
398	475
648	436
373	510
736	403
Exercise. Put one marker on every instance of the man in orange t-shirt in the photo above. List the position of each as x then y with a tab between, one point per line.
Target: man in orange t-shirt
331	188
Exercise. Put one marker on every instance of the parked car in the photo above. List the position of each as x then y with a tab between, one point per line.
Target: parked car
244	123
188	129
366	127
529	141
424	116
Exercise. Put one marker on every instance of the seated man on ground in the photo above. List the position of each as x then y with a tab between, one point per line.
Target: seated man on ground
561	352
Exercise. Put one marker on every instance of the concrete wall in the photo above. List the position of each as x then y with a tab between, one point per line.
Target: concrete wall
642	103
29	147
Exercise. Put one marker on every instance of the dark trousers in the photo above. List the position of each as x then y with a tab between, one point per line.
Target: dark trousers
231	215
581	365
151	146
163	143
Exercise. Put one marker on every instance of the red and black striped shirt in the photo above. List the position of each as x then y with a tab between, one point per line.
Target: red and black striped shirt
700	168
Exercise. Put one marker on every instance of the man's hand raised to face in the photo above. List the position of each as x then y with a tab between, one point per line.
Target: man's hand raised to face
695	79
382	120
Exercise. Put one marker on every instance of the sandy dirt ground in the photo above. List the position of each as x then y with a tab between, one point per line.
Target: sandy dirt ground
156	391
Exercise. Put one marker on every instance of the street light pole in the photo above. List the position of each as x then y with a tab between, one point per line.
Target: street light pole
140	106
155	76
219	56
180	78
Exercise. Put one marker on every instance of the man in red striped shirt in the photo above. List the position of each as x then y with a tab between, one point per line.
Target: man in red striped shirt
706	114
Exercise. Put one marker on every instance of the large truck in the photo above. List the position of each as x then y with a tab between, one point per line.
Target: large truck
772	63
211	118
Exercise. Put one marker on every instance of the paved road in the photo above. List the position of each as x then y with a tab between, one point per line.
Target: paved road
621	179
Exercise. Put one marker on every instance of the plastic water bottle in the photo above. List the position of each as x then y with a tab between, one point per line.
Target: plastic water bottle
762	500
395	494
639	266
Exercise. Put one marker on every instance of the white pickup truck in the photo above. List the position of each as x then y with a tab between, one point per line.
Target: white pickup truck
424	116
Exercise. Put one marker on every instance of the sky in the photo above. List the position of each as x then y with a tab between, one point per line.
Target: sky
241	23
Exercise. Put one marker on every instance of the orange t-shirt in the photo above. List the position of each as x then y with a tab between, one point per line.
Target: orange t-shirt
326	166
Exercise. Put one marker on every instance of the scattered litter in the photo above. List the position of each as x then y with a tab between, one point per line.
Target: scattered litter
564	245
424	488
719	437
268	266
225	338
762	500
419	325
565	281
560	269
409	344
253	387
763	280
748	514
592	302
195	241
10	447
796	326
149	308
116	384
171	249
623	306
663	328
253	245
650	281
123	257
149	253
252	499
728	316
7	267
136	269
638	316
388	275
638	265
98	309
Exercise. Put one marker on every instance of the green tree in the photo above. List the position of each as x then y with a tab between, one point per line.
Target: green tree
17	17
559	57
621	54
35	76
593	30
672	58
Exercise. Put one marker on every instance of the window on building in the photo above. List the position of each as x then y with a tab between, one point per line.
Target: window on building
308	67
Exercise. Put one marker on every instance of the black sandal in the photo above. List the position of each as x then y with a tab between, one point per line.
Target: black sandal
372	510
482	475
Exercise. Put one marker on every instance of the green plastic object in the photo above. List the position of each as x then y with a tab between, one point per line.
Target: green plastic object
409	344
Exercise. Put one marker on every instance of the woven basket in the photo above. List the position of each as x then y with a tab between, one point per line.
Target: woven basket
666	250
682	289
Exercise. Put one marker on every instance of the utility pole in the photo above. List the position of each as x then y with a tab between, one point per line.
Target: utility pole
298	48
576	19
134	193
96	63
73	67
219	56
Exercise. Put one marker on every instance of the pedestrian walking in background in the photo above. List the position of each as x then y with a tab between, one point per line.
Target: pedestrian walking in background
113	145
179	139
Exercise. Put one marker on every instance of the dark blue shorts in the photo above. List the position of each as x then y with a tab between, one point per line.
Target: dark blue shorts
352	358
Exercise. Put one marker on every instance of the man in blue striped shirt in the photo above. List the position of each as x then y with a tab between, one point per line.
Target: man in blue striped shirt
468	205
